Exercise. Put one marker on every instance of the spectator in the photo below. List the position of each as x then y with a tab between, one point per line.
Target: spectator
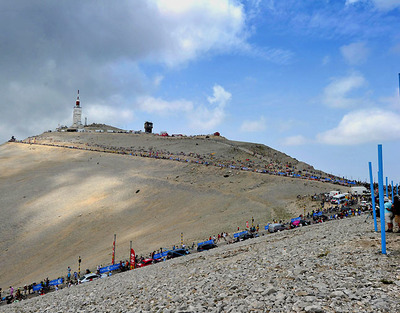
396	211
389	215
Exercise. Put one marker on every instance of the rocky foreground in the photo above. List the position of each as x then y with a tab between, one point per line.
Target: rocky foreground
331	267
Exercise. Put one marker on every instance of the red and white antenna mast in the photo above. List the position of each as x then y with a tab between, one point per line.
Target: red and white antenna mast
77	100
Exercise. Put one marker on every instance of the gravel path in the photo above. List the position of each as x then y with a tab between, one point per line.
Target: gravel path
330	267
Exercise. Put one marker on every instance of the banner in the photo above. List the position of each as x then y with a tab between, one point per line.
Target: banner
295	219
235	235
205	242
113	254
132	259
56	282
160	255
267	226
37	287
109	268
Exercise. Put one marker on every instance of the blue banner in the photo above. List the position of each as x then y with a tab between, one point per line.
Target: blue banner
317	214
267	226
295	219
109	268
235	235
37	287
56	282
160	255
206	242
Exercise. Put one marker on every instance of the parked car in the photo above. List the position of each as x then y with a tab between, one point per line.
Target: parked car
245	237
273	228
145	262
206	246
177	253
89	277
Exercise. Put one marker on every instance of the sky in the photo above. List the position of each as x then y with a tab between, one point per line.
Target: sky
315	79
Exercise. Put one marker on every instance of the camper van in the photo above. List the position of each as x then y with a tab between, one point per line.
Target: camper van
359	191
341	198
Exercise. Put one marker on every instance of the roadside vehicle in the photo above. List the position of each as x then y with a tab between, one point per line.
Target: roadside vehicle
90	277
206	246
145	262
244	237
340	198
176	253
273	228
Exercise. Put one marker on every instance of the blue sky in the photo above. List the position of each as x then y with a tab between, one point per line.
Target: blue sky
315	79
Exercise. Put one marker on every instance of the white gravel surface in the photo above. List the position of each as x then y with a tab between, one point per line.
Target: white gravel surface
331	267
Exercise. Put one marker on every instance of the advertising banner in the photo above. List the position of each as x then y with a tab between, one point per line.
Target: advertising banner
205	242
109	268
132	259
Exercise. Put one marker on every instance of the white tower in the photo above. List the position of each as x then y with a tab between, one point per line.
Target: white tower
76	119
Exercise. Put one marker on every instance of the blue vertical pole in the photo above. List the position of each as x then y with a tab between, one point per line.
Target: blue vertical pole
372	195
381	199
391	186
387	194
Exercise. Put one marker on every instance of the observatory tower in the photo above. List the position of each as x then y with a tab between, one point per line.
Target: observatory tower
77	115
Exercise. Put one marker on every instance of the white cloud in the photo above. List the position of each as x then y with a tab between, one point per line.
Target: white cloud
326	60
297	140
163	107
336	94
355	53
380	4
193	27
107	114
157	80
253	126
206	118
374	125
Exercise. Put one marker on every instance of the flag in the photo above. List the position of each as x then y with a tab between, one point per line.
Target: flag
132	259
113	254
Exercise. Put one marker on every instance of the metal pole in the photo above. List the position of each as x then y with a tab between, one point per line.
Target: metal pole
372	195
381	199
181	239
79	266
391	186
387	193
397	189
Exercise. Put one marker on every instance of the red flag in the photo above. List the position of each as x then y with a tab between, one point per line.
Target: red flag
132	259
247	224
113	254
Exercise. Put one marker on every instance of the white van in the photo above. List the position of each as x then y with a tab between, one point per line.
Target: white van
339	198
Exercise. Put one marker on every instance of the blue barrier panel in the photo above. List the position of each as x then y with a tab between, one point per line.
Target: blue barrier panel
160	255
295	219
205	242
267	226
37	287
56	282
109	268
235	235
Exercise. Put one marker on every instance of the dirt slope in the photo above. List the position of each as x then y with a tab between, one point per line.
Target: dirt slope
60	203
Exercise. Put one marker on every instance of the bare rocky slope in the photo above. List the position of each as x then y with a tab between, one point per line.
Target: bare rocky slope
59	200
331	267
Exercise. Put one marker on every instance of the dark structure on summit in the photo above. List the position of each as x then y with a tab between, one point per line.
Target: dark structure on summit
148	127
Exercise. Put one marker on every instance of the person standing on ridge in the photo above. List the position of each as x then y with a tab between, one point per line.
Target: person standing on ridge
389	215
396	211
